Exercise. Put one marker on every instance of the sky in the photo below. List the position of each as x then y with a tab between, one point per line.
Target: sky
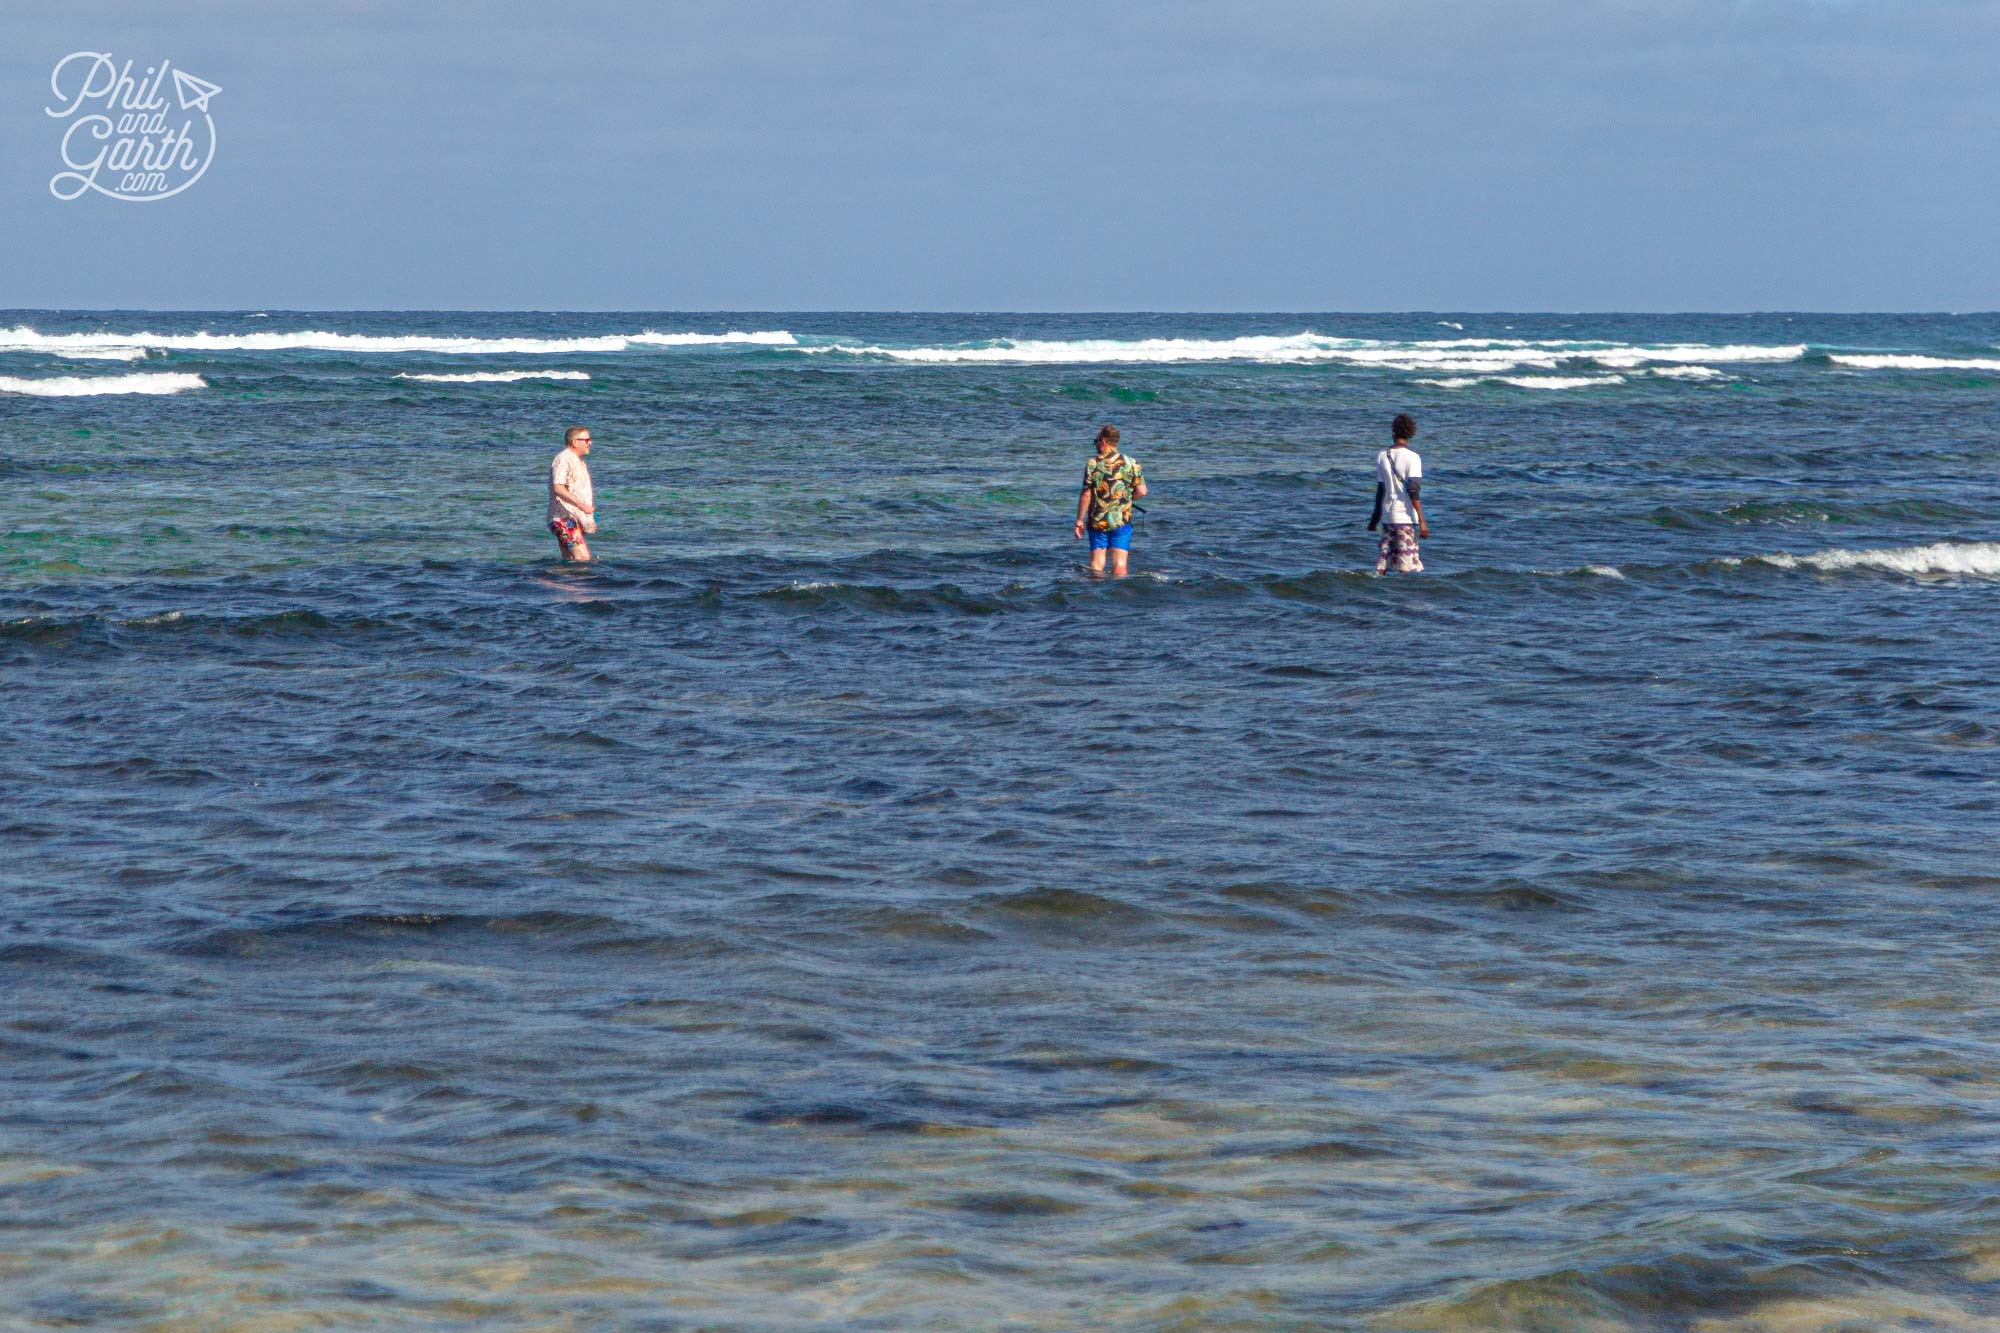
1078	155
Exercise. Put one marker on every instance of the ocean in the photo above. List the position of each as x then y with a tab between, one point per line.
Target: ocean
835	908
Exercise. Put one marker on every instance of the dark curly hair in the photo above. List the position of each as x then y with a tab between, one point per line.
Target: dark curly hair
1404	427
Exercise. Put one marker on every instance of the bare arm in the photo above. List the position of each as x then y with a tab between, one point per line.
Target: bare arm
563	494
1082	509
1417	504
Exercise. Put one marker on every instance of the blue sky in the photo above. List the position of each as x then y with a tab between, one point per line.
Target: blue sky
1678	155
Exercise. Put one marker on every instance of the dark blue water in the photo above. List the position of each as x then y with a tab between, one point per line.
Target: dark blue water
836	908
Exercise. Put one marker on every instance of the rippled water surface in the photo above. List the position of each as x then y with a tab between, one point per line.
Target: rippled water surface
835	908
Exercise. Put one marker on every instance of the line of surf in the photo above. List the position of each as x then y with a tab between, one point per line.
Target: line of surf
1528	381
25	339
497	376
87	386
1912	362
1465	355
1931	560
1974	559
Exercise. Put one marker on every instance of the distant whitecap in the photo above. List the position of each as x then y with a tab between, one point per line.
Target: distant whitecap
1900	362
1528	381
498	376
25	339
1979	559
79	386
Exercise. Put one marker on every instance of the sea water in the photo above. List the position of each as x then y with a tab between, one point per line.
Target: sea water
836	908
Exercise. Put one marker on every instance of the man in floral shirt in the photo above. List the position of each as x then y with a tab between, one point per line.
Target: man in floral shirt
1111	481
571	501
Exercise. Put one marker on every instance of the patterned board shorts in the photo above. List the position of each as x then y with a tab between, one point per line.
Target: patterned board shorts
568	535
1399	549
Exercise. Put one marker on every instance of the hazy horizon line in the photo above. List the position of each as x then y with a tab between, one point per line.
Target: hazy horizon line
913	310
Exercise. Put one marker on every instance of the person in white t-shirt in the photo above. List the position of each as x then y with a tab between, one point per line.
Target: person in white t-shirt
572	505
1399	475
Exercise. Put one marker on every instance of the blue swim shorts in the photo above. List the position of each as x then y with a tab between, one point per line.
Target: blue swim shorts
1118	539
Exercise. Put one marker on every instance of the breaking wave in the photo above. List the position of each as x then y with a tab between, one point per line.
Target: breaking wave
1585	571
1901	362
103	354
1978	559
24	339
497	376
80	386
1490	356
1692	353
1297	347
1528	381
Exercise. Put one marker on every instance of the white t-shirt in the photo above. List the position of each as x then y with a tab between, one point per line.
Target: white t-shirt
1395	469
566	470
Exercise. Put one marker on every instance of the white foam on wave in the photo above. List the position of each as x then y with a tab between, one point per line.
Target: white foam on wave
1560	381
1528	381
1463	354
24	339
1296	347
498	376
1977	559
79	386
1452	357
1677	360
1900	362
760	338
1626	358
103	354
1473	356
1595	571
1491	356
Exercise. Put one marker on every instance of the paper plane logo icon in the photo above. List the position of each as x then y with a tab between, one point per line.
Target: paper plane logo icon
145	158
194	93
